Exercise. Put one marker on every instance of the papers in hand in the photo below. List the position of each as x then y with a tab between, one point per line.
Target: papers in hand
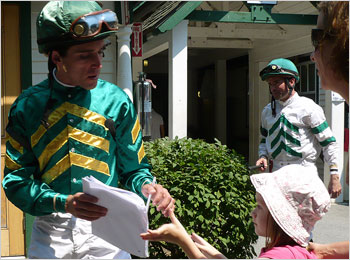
126	218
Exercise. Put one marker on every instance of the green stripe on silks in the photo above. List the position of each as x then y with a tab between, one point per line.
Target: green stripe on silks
320	128
263	141
263	131
286	136
287	149
285	121
327	141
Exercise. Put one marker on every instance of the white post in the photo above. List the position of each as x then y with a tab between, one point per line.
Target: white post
220	101
259	97
178	80
124	79
334	111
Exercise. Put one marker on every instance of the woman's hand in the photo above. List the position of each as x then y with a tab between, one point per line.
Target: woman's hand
207	249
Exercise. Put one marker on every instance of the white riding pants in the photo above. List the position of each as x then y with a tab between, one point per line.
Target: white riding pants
61	235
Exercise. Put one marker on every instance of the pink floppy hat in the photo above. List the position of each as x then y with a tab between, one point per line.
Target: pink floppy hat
296	198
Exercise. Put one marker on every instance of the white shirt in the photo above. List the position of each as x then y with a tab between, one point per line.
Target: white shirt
298	132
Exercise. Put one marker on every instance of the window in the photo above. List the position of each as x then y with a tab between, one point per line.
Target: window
308	85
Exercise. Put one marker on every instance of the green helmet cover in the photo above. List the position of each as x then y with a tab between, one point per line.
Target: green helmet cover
287	68
55	19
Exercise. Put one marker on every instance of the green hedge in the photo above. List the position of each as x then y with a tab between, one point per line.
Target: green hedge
214	196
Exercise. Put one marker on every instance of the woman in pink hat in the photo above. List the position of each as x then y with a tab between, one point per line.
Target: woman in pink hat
289	203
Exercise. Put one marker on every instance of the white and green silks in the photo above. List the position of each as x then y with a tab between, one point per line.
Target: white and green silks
297	134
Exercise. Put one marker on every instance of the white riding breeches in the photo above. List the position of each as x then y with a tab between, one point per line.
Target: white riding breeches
61	235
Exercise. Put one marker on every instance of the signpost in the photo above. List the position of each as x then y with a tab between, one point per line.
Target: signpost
136	40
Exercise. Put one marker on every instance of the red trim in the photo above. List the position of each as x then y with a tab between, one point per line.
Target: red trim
346	139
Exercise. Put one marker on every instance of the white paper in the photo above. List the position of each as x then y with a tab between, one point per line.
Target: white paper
126	218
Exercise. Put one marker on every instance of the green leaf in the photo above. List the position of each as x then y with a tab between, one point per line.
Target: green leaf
212	191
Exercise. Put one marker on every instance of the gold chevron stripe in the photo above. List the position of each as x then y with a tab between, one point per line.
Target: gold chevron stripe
56	170
16	145
11	164
135	130
74	159
88	115
61	111
89	163
52	148
141	153
54	117
89	139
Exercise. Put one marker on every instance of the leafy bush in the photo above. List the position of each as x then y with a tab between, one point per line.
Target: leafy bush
214	196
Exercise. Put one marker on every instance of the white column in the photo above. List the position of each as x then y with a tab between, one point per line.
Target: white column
178	80
220	101
124	79
334	111
259	97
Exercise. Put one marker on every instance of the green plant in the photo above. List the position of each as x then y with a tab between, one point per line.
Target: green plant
213	193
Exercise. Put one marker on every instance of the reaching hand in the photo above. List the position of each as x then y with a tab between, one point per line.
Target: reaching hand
160	197
173	232
207	249
82	205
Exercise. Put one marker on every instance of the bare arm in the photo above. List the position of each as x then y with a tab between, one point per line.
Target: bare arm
207	249
174	233
337	250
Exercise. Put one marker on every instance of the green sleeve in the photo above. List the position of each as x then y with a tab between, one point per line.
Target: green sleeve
21	183
132	164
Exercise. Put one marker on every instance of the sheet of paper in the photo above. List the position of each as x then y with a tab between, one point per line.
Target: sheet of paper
126	218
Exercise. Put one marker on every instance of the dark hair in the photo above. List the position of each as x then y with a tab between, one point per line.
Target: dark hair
275	236
62	50
336	24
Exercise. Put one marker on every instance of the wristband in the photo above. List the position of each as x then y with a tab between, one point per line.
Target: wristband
333	171
54	202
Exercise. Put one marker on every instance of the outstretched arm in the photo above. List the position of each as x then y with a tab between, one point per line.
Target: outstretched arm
337	250
174	233
207	249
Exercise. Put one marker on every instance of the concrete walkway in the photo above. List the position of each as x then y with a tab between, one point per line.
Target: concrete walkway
334	226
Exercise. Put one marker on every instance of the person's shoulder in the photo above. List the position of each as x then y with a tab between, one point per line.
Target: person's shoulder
286	252
31	91
306	100
266	110
309	105
110	88
281	252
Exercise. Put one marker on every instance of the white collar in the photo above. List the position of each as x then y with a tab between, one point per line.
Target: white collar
63	84
289	100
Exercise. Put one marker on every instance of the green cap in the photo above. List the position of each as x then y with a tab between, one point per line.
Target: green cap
54	22
278	67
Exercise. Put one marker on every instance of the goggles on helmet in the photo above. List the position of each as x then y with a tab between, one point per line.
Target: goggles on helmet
89	25
276	69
